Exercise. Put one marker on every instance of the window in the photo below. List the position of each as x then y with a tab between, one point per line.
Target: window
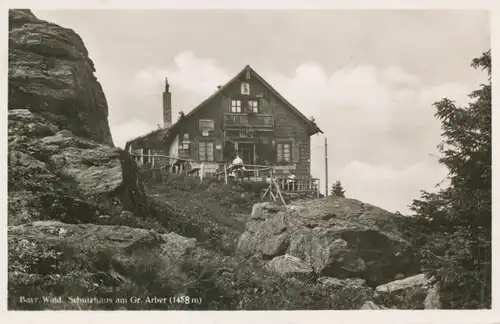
206	151
287	152
253	106
185	138
284	152
236	106
146	156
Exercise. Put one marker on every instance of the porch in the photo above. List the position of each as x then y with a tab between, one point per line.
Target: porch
163	166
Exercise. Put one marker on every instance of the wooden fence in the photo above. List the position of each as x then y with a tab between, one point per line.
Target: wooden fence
245	172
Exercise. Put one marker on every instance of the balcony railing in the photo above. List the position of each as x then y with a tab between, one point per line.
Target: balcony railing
256	120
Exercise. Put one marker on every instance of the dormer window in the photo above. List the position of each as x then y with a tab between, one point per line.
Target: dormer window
235	106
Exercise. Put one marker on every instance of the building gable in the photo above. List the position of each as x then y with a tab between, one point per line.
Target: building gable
237	85
214	123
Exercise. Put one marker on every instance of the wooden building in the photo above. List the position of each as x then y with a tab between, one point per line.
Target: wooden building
246	115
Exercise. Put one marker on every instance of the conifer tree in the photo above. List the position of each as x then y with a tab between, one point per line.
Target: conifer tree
337	189
462	211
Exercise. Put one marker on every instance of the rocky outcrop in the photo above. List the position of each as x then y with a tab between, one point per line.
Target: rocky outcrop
47	257
62	165
56	175
337	237
50	74
415	292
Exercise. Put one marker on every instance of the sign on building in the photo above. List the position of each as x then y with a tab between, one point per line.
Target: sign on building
206	125
245	88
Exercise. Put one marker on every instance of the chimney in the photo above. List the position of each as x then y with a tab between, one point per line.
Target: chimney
167	105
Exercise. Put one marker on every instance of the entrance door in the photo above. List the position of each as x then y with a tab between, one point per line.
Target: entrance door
246	152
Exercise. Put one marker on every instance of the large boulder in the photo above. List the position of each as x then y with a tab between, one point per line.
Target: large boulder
65	177
415	292
54	259
337	237
51	74
62	163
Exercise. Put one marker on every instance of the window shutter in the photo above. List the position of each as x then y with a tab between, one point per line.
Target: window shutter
296	152
264	106
226	104
279	152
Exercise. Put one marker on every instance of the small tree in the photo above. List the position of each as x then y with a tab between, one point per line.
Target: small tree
337	189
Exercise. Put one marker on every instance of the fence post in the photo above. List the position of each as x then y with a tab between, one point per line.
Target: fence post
202	169
225	173
317	188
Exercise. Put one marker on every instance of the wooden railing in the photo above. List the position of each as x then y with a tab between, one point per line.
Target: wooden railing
240	119
266	173
247	172
299	184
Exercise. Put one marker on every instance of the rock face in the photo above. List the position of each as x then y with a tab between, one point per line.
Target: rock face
95	259
55	175
62	165
337	237
51	75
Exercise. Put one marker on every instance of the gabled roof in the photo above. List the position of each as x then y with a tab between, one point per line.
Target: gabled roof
314	128
166	130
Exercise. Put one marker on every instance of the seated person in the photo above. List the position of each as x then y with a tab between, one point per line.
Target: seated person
291	180
236	165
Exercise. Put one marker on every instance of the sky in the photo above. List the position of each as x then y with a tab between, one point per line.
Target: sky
369	78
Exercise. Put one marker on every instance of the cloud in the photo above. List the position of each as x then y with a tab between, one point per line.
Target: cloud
191	80
379	122
387	187
197	75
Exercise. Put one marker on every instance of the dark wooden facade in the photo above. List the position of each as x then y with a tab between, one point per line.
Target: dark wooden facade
246	116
